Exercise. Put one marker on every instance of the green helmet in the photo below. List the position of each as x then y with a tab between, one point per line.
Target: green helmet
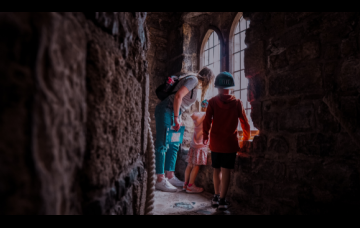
224	80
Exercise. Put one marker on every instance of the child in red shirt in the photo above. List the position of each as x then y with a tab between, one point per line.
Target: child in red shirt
224	111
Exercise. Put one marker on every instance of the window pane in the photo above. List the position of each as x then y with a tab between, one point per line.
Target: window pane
206	62
242	24
244	81
248	24
217	53
244	97
207	45
237	80
211	40
237	43
211	55
216	70
242	60
237	62
237	94
237	28
242	40
216	38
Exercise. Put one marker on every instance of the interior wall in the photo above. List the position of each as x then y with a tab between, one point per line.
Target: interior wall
304	91
164	55
74	92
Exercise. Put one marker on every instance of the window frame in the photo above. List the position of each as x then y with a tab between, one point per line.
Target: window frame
232	53
202	49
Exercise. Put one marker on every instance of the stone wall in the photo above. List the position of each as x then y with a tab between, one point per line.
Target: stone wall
164	55
304	91
74	101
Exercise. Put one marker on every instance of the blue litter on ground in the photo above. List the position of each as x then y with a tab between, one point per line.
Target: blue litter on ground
186	206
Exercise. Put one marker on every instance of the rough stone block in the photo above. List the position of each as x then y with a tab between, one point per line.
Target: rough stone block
311	49
254	59
306	79
270	121
345	146
277	22
349	47
255	114
268	170
333	29
350	75
256	88
279	61
349	110
315	144
326	122
259	144
244	164
330	51
290	37
279	145
294	54
299	118
255	33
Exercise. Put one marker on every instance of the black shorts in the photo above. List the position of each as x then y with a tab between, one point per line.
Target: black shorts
223	160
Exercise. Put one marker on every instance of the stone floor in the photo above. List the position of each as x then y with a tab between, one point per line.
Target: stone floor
181	203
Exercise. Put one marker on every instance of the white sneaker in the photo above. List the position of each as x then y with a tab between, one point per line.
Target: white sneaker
165	186
176	182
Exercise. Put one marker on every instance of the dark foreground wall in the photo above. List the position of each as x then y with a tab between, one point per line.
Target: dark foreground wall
73	113
304	87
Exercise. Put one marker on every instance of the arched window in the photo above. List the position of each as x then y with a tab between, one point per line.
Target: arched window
237	48
210	57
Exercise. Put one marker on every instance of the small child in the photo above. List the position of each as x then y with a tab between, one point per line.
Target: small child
224	112
198	152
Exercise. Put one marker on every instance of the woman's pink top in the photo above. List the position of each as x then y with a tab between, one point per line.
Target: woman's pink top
197	141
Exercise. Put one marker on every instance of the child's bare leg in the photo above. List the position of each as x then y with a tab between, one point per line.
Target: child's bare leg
194	173
225	182
216	178
187	173
220	182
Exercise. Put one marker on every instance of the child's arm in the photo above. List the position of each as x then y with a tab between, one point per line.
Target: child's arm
244	122
207	122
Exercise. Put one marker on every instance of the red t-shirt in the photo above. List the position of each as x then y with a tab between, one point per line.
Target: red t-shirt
223	112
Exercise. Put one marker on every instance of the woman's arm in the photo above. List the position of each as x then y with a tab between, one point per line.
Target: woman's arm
177	102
